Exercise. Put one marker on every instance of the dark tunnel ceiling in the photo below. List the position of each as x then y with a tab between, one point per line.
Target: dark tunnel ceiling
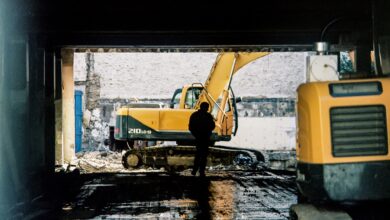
273	22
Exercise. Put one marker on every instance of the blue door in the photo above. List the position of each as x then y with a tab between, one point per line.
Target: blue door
78	107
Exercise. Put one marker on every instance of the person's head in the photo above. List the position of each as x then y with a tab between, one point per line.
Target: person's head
204	106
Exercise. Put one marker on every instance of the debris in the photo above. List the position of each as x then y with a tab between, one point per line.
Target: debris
308	211
99	161
280	155
242	159
86	118
67	207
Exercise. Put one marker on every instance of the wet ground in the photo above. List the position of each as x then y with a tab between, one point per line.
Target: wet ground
159	195
227	194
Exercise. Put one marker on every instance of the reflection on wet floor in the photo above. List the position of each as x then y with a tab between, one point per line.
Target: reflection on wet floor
221	195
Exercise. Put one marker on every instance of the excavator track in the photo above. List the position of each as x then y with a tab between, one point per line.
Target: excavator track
181	157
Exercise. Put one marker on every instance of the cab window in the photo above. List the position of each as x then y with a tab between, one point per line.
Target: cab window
175	101
192	97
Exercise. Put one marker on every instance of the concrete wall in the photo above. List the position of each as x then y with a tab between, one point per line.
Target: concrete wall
265	133
157	75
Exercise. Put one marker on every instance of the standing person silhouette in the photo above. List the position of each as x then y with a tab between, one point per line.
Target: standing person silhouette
201	126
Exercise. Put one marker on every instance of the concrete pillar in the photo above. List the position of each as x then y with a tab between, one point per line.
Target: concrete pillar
59	152
68	117
15	161
57	96
49	112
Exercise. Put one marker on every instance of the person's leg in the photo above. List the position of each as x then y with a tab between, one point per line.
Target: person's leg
196	160
203	159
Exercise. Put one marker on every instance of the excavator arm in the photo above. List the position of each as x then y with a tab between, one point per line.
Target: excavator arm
219	79
216	88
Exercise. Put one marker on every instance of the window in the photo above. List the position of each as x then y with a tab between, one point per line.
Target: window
175	102
192	97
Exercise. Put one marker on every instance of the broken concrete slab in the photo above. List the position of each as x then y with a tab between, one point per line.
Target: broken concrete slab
310	212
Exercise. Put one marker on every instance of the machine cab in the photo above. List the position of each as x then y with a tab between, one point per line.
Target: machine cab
186	97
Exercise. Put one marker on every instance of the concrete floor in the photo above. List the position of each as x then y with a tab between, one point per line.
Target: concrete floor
221	195
230	194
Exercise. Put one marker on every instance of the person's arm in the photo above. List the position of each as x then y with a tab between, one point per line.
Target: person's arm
191	124
212	123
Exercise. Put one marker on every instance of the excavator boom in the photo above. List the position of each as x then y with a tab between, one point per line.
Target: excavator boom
225	66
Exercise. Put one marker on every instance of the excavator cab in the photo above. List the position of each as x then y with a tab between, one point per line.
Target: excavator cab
192	96
186	97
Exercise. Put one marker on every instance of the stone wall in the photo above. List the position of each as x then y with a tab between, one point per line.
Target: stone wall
157	75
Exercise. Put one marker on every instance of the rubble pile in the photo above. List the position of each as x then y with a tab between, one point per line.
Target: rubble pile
105	161
99	161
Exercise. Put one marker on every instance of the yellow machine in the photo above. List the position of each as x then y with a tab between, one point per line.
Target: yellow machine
172	124
342	140
342	130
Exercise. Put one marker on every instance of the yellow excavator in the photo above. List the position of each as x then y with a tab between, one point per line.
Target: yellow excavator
172	124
